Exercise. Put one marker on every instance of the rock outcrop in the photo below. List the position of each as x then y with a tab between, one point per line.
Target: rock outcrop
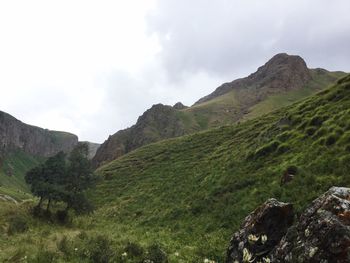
321	234
261	232
16	135
281	72
157	123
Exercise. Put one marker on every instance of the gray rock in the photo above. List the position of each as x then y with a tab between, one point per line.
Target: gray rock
16	135
322	233
260	232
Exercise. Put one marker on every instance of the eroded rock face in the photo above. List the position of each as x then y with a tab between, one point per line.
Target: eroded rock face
322	233
16	135
261	232
157	123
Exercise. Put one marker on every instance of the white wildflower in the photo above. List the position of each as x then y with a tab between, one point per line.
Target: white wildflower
252	238
124	254
247	256
176	254
313	251
263	239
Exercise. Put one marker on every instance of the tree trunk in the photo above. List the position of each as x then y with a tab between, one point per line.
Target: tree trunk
48	205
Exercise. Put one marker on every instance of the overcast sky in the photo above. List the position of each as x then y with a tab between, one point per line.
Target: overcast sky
92	67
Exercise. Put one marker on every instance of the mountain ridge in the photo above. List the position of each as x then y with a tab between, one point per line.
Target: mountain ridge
283	75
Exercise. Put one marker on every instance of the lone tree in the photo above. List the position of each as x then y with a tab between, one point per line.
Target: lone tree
62	180
79	178
46	179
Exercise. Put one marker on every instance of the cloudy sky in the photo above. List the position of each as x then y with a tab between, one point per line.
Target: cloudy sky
92	67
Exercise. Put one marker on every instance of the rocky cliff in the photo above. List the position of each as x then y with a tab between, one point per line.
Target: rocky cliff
16	135
158	122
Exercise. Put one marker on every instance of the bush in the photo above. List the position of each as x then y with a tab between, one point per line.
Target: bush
134	249
331	139
98	249
17	224
156	254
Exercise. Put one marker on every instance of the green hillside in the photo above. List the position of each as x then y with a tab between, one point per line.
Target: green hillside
201	186
233	106
184	197
12	170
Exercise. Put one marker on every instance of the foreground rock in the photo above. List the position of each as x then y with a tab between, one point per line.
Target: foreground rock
261	232
321	234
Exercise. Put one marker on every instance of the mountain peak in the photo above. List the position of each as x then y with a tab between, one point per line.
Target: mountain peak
281	72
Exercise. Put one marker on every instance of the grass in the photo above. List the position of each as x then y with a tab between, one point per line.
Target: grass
12	170
206	183
187	195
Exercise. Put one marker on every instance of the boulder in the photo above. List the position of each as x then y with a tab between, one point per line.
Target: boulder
322	233
260	232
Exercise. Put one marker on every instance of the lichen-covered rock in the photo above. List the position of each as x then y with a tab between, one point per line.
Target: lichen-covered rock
322	233
261	232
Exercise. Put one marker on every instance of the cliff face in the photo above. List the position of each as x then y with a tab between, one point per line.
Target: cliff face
16	135
158	122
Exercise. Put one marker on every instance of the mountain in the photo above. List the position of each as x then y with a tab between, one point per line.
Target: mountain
23	146
190	193
16	135
283	80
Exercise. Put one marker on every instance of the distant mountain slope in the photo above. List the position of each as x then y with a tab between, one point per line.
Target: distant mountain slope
283	80
195	190
23	146
16	135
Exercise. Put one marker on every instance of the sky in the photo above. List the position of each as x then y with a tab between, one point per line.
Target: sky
92	67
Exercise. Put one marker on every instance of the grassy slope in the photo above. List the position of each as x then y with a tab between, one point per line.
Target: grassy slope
190	193
225	109
16	163
195	190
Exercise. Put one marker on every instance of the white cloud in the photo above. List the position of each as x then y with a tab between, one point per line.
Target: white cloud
92	67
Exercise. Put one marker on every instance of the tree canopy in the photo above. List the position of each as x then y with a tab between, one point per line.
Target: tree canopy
62	179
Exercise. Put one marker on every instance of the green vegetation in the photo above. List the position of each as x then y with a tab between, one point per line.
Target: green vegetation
59	181
12	170
180	200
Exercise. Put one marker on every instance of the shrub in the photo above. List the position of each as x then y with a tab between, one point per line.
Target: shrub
331	139
133	249
156	254
17	224
98	249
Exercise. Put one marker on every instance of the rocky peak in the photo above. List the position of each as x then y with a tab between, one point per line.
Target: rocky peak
281	72
179	106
